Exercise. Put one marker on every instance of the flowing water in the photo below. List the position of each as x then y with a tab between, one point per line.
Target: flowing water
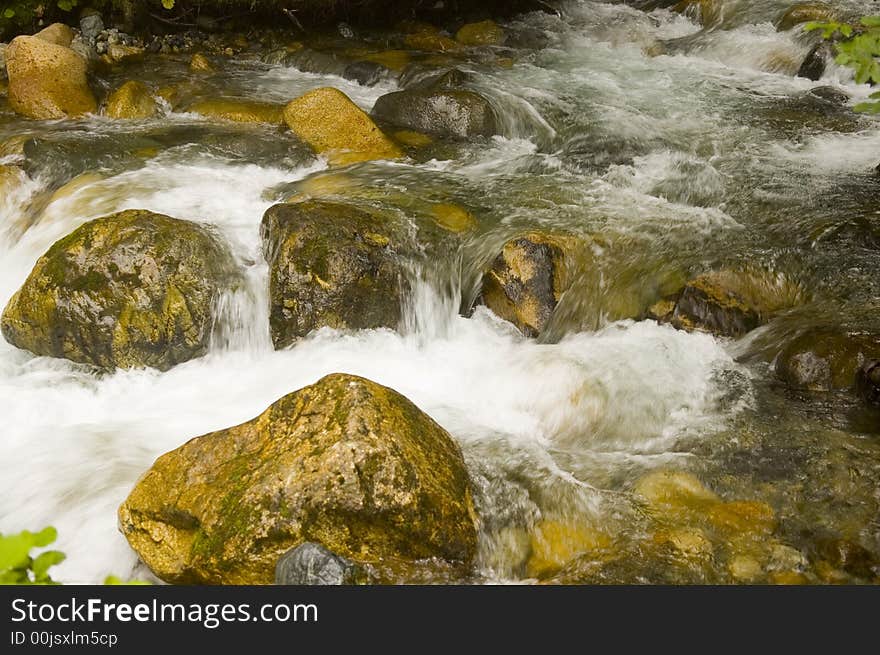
675	148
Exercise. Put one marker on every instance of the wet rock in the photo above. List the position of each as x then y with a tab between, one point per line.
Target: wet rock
332	125
57	33
312	564
742	517
830	95
483	33
555	543
365	73
452	217
332	265
707	305
848	556
525	282
47	81
825	359
868	382
733	302
121	53
345	462
131	289
689	542
674	494
132	100
804	12
419	79
707	12
458	114
3	47
200	64
813	67
90	26
431	42
239	111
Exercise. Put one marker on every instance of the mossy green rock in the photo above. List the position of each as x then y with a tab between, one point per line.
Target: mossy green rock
525	282
330	264
345	463
131	289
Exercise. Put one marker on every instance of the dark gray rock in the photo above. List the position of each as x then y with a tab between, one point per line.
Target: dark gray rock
312	564
365	73
446	113
91	26
815	62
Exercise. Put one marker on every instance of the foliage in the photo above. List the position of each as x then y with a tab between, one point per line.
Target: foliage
858	47
17	566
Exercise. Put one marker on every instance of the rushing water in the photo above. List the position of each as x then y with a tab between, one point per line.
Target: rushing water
677	148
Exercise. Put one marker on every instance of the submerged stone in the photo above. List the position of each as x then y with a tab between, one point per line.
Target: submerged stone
346	463
804	12
825	359
239	111
484	33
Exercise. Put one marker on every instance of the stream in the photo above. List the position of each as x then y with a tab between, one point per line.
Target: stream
675	148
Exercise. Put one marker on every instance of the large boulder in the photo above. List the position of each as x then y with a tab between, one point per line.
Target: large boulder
525	282
345	463
127	290
443	112
132	100
332	125
47	81
330	264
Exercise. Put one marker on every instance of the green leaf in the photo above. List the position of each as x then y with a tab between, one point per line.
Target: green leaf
870	21
116	580
43	562
9	13
168	4
867	108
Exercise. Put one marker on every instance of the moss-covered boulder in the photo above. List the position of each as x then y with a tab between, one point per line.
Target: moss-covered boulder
332	125
132	100
127	290
525	282
825	359
345	463
47	81
239	111
330	264
443	112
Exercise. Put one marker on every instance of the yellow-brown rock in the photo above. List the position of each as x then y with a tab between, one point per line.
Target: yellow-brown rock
525	282
200	64
453	218
240	111
57	33
47	81
332	125
674	495
345	462
132	100
555	543
486	32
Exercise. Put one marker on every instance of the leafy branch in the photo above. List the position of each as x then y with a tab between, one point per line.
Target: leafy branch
858	47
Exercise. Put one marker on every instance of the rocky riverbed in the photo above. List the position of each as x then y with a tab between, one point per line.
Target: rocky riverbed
583	295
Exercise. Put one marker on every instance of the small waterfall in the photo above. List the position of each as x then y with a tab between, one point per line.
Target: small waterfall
432	304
